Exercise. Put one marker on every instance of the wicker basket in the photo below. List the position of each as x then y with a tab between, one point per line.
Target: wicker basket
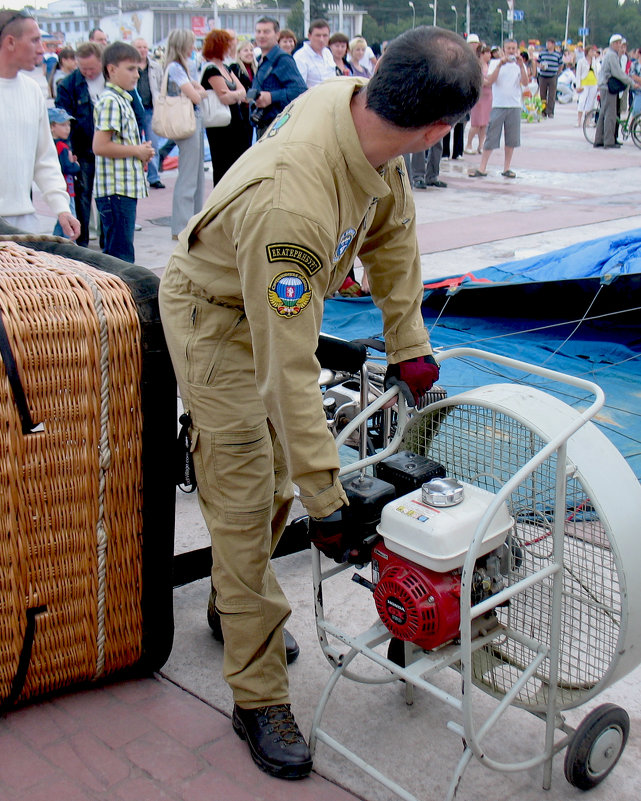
71	494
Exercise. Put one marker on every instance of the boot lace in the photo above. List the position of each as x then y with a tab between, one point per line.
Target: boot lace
281	721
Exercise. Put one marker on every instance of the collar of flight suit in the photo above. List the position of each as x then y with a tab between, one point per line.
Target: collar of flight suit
369	178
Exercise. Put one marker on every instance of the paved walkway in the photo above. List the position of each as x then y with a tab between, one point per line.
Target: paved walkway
152	739
139	740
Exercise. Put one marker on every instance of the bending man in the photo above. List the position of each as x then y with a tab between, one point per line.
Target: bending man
242	303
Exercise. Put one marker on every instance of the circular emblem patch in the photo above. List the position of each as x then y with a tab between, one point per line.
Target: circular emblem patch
343	243
289	293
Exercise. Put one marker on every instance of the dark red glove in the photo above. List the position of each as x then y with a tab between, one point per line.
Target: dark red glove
327	534
413	376
330	535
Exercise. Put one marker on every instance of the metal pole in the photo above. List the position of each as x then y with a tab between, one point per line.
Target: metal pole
340	15
567	24
500	11
585	18
434	5
467	17
306	15
455	18
411	5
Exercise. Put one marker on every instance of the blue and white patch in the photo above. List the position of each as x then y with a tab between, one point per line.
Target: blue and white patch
278	123
343	243
289	293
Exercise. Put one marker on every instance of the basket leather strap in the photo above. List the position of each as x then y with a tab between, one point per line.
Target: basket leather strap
23	661
17	388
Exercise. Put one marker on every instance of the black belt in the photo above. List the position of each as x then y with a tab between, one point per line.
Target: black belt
17	388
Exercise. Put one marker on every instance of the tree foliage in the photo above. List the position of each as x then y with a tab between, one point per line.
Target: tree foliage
542	19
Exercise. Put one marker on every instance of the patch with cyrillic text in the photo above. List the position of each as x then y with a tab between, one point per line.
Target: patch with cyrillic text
297	254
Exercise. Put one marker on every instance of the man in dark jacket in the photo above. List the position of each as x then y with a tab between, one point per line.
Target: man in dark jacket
277	79
77	94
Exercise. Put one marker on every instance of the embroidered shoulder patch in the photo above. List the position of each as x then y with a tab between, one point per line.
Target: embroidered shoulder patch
282	118
289	293
302	256
343	243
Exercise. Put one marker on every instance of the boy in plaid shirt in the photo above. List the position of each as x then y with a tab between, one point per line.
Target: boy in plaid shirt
120	155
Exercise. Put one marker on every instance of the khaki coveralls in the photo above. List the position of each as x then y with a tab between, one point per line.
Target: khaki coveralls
242	304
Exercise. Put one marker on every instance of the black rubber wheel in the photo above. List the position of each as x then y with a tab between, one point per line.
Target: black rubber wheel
596	746
635	130
589	125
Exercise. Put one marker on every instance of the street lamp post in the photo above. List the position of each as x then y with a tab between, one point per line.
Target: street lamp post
433	7
411	5
455	18
500	11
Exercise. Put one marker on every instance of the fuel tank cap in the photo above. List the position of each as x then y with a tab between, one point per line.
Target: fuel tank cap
442	492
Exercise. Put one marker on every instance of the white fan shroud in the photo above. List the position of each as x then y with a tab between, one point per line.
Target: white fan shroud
483	437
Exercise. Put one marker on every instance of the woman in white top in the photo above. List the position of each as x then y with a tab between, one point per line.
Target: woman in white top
188	190
586	82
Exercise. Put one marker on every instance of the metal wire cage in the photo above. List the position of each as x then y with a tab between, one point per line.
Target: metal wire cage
563	626
486	436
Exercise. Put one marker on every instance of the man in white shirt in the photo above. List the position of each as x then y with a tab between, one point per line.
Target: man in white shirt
506	75
28	153
314	59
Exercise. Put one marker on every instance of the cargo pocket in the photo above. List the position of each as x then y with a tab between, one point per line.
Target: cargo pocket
237	473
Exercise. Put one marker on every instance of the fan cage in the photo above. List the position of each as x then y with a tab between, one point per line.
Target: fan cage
486	447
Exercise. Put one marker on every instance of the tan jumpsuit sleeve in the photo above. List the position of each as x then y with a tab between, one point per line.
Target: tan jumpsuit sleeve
391	258
285	338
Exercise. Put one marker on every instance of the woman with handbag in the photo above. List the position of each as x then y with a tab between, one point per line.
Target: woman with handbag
227	142
189	187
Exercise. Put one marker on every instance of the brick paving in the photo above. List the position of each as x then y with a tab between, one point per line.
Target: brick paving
136	740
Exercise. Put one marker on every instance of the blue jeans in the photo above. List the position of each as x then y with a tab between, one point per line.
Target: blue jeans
118	217
57	231
152	166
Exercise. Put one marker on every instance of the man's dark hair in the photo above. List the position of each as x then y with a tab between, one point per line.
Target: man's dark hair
273	21
93	32
12	22
318	23
426	75
116	53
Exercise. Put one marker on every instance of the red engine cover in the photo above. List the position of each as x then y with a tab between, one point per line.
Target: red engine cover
416	604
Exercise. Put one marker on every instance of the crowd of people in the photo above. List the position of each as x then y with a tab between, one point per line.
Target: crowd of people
257	79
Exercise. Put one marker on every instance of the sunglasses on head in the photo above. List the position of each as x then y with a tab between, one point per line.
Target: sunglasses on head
13	18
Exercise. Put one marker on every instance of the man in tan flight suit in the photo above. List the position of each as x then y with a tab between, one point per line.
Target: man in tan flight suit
242	304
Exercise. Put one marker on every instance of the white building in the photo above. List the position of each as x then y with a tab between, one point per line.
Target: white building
71	20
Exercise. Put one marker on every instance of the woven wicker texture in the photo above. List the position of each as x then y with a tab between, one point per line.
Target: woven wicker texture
71	495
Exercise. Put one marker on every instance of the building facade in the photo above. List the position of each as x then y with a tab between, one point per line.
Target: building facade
70	21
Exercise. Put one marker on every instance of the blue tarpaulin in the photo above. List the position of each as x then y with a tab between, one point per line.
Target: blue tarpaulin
575	310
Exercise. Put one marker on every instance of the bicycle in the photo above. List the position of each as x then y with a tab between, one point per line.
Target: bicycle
628	126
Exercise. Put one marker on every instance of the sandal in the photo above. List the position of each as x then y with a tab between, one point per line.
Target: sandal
508	174
469	151
476	174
